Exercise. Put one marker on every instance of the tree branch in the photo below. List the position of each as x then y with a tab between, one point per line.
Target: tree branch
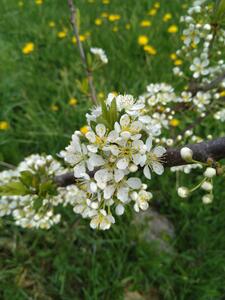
73	21
214	149
194	88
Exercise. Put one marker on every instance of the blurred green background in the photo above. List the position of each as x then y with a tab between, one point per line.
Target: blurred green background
40	107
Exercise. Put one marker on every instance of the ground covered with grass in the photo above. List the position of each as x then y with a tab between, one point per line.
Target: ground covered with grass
42	103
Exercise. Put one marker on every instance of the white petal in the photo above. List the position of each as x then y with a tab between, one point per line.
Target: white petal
79	170
124	120
122	163
119	210
100	130
157	167
96	160
118	175
113	135
147	172
159	151
122	194
108	191
134	182
91	136
92	148
149	143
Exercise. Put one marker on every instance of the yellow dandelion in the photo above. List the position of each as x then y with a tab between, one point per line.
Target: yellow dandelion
150	50
83	37
113	18
51	24
152	12
98	22
101	95
20	3
145	23
167	17
143	40
72	102
193	45
174	122
84	129
157	5
172	29
28	48
127	26
4	125
104	15
105	1
54	107
39	2
173	56
178	62
222	94
62	34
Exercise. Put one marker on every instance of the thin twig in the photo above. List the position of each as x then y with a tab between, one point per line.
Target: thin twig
194	88
73	20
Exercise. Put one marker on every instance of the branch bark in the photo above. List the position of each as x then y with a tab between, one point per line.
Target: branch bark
214	149
194	88
73	20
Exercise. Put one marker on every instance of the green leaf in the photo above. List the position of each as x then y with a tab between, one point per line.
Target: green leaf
26	177
15	188
77	20
38	203
46	187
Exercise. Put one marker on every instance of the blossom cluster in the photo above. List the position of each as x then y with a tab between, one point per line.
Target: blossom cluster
31	210
203	45
113	152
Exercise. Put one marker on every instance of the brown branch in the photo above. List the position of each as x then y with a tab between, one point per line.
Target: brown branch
73	21
194	87
214	149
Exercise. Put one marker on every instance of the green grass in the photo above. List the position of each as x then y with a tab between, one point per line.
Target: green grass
71	261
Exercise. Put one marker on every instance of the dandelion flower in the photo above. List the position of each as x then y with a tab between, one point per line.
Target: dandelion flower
142	40
150	50
172	29
167	17
152	12
4	125
145	23
98	22
72	102
62	34
28	48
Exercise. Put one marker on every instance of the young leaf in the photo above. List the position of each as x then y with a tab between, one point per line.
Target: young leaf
15	188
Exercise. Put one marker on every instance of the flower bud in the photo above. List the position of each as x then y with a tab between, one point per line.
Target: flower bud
210	172
133	168
207	199
119	209
183	192
207	186
186	154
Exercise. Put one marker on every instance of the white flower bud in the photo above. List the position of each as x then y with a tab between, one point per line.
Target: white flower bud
207	186
207	199
183	192
133	168
119	210
210	172
186	153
